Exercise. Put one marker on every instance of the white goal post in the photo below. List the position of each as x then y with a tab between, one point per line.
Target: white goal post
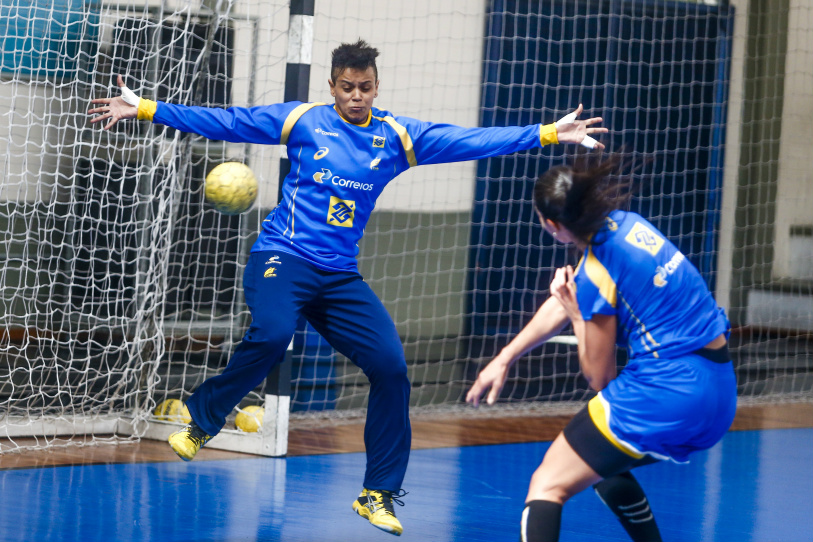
121	287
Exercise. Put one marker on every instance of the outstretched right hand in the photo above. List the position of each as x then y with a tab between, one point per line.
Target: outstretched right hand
117	108
493	377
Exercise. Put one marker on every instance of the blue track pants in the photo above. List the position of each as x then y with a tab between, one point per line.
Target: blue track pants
279	287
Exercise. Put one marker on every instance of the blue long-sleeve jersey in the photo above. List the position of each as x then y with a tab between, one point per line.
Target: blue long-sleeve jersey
339	169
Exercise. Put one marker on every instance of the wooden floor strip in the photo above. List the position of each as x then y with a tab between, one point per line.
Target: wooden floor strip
432	432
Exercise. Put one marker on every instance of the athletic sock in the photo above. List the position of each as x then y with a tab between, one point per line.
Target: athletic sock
541	521
196	431
625	497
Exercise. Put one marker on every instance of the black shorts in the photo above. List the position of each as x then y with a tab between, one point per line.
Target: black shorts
599	453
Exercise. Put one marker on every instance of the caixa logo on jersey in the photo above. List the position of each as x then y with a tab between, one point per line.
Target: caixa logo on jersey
327	176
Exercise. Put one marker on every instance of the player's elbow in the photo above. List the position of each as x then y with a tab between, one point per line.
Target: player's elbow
598	378
597	384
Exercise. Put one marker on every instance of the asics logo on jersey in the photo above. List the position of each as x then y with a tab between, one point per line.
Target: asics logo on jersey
321	153
662	272
644	238
374	164
378	142
331	134
341	212
323	175
273	260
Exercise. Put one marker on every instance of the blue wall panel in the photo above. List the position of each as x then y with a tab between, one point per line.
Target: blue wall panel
657	73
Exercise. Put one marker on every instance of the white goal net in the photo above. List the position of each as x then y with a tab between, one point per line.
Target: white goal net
121	288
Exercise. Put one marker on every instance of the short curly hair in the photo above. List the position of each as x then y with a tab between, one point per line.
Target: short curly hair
359	56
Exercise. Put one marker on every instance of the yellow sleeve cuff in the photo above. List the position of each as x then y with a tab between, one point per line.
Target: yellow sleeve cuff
547	134
146	109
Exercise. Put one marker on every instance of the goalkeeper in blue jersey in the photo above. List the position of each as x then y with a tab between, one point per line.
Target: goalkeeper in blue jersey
632	287
304	261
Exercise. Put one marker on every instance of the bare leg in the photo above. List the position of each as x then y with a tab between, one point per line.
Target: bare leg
562	474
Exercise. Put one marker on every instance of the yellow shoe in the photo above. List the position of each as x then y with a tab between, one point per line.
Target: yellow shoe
188	441
376	506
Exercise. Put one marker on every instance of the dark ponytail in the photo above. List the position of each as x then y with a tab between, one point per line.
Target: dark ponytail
582	195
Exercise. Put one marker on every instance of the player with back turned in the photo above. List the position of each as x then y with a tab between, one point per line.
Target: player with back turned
632	287
304	261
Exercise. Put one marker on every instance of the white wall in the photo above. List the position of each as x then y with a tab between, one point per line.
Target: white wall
429	68
32	134
793	255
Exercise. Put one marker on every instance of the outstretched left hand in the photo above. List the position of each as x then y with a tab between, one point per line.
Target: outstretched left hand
112	110
570	130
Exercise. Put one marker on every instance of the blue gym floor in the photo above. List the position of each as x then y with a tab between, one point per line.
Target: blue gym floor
753	486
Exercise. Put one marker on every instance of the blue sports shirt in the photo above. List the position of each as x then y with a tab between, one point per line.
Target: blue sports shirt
339	169
663	307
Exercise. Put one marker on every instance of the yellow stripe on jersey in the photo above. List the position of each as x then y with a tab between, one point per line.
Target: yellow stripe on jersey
406	140
146	109
599	276
645	335
548	135
599	416
294	116
579	265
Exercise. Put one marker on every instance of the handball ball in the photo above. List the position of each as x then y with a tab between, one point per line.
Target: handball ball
231	188
173	410
250	419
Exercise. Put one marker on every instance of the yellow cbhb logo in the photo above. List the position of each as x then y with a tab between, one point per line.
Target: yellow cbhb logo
270	272
644	238
341	212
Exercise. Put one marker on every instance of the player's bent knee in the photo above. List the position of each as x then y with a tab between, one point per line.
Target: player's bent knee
269	338
390	370
546	489
386	363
